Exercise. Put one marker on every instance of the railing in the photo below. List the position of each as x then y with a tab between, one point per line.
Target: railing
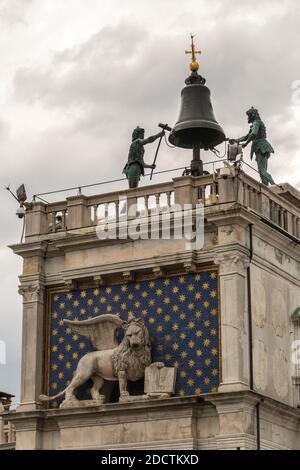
221	188
7	432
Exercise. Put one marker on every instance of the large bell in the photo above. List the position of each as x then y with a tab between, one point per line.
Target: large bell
196	125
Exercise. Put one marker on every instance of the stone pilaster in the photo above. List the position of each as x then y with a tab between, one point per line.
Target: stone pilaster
32	344
234	327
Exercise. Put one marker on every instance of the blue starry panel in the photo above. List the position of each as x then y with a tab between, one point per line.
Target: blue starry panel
181	313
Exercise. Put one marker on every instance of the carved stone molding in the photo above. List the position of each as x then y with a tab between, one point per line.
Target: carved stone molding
189	267
232	262
157	271
32	292
127	276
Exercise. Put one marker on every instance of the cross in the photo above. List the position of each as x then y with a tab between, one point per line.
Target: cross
193	51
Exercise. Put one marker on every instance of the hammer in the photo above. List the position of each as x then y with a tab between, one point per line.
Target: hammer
165	127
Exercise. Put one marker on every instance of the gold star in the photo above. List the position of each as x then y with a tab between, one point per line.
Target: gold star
190	382
182	316
166	282
207	362
198	391
167	300
191	287
175	308
182	374
56	298
81	345
199	372
54	315
108	290
61	375
182	336
206	304
137	304
109	308
137	286
181	393
159	310
96	292
191	363
213	275
182	298
214	351
158	292
130	296
90	302
175	290
82	311
68	347
168	337
96	309
199	352
175	346
191	344
213	294
183	354
68	313
152	284
54	332
213	311
123	306
75	355
213	332
144	312
205	285
168	357
198	295
151	302
60	357
167	318
68	365
54	348
76	303
206	323
197	277
159	329
181	279
54	367
206	342
62	305
175	326
151	320
207	380
176	364
198	314
75	337
191	306
214	372
83	294
69	296
102	300
191	325
124	288
54	386
159	347
116	298
61	340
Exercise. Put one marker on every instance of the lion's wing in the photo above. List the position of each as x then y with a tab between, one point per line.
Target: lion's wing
100	330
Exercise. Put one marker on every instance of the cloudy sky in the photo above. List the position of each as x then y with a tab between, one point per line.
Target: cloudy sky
76	76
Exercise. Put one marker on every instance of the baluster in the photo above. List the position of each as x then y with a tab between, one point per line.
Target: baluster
106	210
157	200
117	204
146	201
169	194
95	214
53	214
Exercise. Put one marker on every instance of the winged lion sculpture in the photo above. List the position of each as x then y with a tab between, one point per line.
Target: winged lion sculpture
111	361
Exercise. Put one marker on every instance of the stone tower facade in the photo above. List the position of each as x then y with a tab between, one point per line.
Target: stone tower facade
251	243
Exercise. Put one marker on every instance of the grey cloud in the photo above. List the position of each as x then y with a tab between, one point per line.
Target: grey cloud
12	12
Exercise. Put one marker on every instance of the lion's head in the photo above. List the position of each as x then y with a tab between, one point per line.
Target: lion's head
136	334
134	352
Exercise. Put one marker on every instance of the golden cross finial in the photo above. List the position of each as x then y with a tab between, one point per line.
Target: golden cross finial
194	66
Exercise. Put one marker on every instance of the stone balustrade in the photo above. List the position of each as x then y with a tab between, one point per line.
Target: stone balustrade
223	187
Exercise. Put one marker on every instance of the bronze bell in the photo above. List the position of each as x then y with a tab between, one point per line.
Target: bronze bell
196	125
